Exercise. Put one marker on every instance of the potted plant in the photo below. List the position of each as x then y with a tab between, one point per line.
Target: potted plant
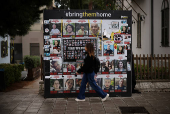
32	63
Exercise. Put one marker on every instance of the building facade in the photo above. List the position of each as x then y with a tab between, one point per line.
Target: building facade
150	28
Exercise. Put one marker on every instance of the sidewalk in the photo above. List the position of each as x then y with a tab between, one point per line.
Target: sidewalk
28	101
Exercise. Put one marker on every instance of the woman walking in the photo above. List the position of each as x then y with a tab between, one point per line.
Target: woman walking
88	76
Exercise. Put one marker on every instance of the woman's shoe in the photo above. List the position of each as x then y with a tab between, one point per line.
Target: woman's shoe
79	99
104	99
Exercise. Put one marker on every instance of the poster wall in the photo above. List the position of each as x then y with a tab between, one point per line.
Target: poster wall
64	51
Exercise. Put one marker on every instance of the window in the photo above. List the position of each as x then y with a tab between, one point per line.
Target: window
34	49
165	23
139	32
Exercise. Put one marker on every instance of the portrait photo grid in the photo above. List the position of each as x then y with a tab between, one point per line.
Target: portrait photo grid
64	47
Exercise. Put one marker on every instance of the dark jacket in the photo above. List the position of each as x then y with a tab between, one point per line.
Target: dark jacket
88	66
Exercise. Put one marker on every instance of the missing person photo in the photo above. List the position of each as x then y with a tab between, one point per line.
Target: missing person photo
98	81
120	49
115	24
120	65
95	29
124	22
69	84
55	29
82	28
108	48
69	67
79	65
78	83
56	84
47	42
128	66
69	29
46	37
108	83
120	84
56	43
107	66
125	29
56	66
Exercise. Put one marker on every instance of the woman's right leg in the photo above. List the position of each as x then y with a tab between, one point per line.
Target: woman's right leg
93	84
84	81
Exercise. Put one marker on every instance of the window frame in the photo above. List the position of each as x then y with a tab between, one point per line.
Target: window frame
165	24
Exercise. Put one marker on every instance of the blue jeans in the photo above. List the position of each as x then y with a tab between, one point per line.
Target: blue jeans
89	77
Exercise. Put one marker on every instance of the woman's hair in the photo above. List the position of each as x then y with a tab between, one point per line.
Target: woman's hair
90	49
71	27
123	64
122	49
57	42
53	62
59	83
108	63
112	62
66	82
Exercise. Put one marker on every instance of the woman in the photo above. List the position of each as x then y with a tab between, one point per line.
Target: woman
56	43
121	66
56	85
120	50
70	29
88	76
70	68
106	67
69	84
55	65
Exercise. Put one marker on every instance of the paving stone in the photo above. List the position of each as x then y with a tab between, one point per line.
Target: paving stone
50	100
141	101
84	103
30	112
71	108
24	104
120	104
149	97
61	99
71	111
85	112
95	108
44	112
28	99
109	105
84	107
109	110
10	107
20	108
163	110
34	110
145	104
45	108
151	110
59	107
31	95
17	112
96	105
98	112
60	104
5	111
58	112
3	105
